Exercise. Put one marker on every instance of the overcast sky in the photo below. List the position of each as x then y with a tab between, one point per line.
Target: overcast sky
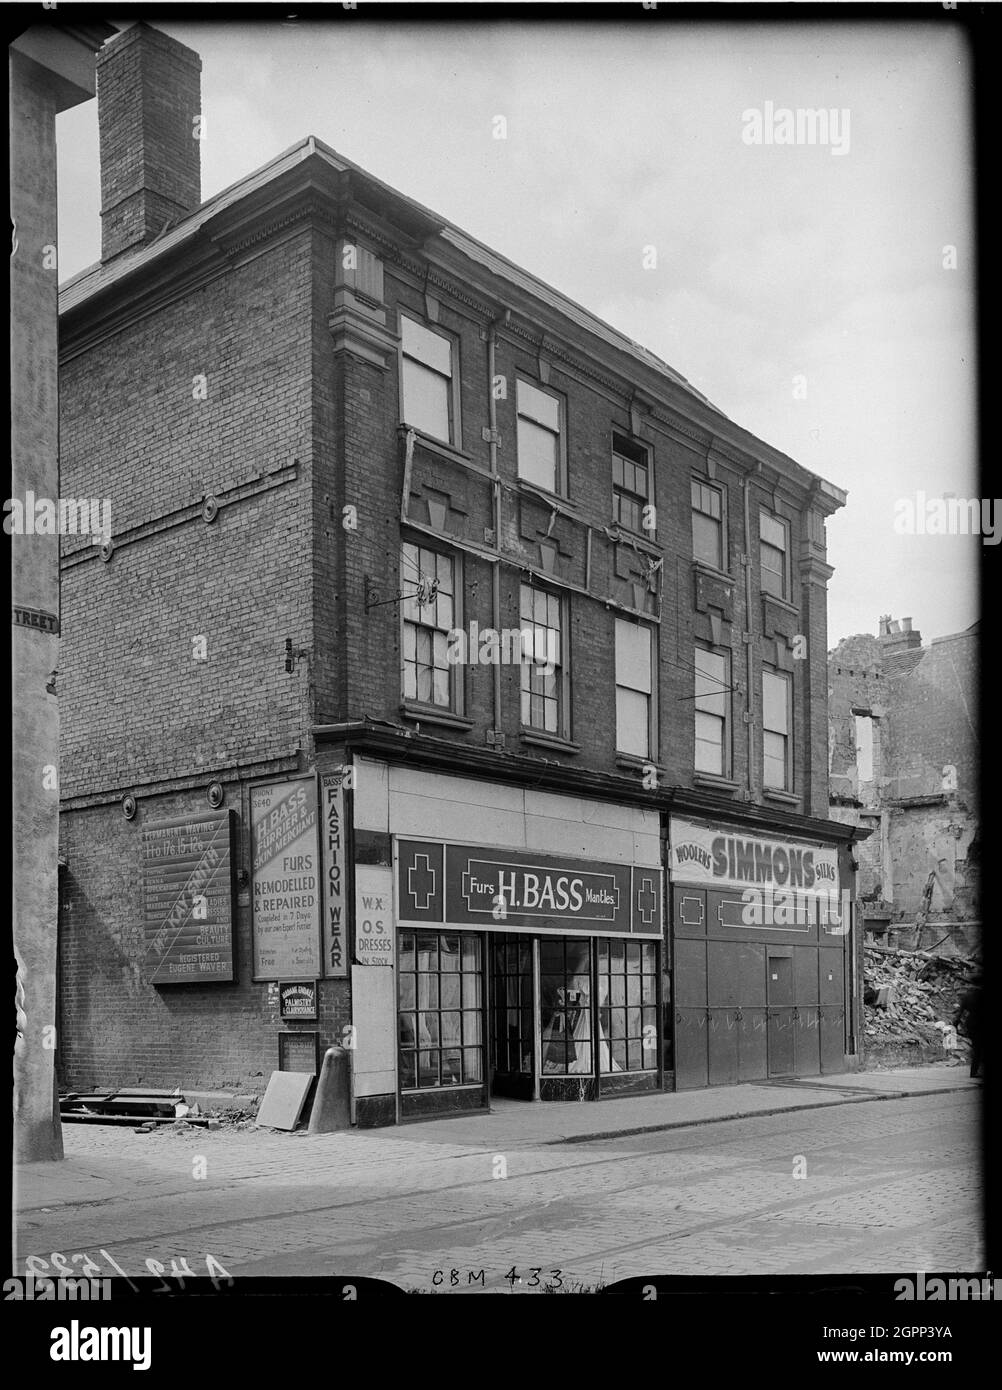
774	261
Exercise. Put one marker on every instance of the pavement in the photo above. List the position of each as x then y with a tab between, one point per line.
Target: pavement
105	1163
868	1171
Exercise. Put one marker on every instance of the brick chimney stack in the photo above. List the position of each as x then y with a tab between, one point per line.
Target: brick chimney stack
148	98
898	636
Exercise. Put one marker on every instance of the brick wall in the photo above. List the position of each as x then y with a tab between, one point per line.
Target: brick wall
924	856
139	712
933	721
856	680
118	1029
149	101
137	706
364	410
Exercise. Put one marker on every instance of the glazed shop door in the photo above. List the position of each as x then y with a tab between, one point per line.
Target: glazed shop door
513	1014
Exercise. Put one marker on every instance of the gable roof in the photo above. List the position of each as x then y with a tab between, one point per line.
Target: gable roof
91	282
100	276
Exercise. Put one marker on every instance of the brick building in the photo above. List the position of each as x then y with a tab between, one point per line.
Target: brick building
453	658
904	763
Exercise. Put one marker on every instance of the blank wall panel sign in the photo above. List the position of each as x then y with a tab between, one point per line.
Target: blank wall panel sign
187	872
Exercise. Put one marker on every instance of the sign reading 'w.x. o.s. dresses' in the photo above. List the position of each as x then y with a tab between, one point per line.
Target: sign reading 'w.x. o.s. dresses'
519	890
286	884
188	899
702	854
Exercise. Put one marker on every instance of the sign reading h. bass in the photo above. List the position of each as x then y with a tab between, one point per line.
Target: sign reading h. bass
539	891
726	859
285	881
508	891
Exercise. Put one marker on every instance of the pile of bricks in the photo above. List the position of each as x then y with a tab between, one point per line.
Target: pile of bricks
908	993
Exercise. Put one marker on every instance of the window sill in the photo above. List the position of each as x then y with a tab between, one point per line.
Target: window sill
445	1086
706	568
710	780
547	498
787	798
542	740
780	602
622	535
433	715
633	761
440	447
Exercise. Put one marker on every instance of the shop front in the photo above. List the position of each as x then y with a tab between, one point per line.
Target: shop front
762	955
527	938
540	980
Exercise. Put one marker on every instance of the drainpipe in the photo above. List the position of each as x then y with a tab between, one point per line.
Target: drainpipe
492	417
747	638
405	495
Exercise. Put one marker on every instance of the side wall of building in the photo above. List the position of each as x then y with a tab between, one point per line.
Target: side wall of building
174	664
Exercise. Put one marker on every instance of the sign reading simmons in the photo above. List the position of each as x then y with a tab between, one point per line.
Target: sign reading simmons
506	890
703	855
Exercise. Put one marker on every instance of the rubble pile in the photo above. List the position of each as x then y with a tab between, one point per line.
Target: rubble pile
912	996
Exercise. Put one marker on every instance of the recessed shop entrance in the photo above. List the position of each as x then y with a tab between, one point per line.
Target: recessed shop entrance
513	1016
571	1018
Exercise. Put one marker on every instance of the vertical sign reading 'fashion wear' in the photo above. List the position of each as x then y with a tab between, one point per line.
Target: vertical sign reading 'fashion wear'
285	880
332	854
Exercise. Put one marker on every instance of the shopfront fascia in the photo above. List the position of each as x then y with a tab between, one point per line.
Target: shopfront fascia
527	943
762	957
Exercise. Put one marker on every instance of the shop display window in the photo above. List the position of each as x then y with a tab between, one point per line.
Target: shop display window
440	1009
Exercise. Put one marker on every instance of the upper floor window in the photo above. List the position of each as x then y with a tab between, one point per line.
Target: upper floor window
428	580
713	706
708	524
777	721
543	668
634	688
774	547
540	437
631	484
864	746
428	381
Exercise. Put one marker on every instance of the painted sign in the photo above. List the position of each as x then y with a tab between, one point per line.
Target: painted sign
285	883
332	852
519	890
715	858
297	999
374	932
187	873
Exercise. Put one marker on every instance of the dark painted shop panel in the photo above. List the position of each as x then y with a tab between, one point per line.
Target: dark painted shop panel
752	1054
690	974
689	912
690	1048
723	1046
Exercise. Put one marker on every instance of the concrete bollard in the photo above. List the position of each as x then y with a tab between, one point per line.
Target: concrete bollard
332	1101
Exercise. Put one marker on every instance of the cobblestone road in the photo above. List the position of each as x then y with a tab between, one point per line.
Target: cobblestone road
893	1186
